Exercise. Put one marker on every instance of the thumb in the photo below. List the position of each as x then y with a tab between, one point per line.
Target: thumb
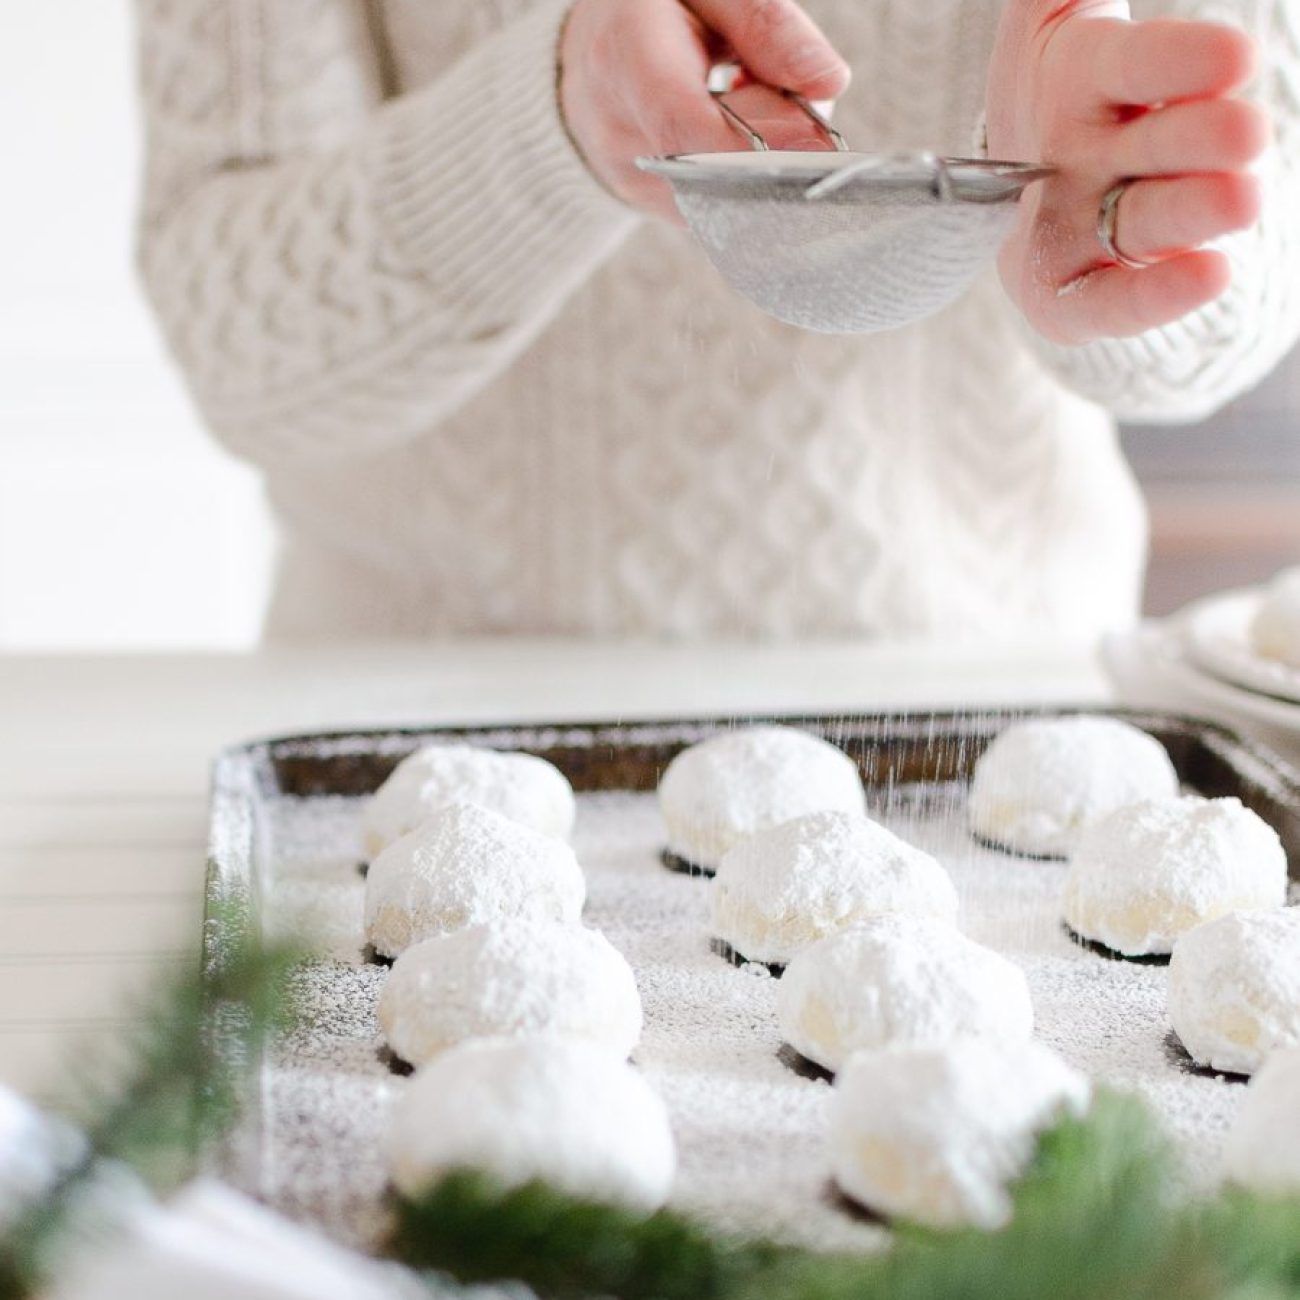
778	43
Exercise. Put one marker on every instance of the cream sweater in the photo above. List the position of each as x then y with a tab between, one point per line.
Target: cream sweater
487	398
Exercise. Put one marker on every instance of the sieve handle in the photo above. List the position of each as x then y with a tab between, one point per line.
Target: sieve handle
756	141
721	80
940	177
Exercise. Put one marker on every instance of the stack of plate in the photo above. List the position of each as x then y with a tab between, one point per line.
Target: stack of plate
1203	660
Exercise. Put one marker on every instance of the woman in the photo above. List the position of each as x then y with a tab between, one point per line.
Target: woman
409	269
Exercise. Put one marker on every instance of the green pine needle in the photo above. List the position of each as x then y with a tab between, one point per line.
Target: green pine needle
174	1089
566	1246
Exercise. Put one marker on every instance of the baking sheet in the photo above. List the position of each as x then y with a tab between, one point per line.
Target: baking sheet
286	842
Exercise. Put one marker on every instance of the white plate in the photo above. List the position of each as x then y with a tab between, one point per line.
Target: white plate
1150	669
1216	636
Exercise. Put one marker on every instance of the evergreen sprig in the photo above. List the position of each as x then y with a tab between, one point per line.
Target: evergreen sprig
157	1099
1096	1218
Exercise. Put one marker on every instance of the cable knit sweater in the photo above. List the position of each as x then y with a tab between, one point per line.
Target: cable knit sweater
485	397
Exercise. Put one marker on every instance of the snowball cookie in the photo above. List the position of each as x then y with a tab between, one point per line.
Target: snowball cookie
1262	1152
1042	781
524	788
464	866
899	980
507	979
1234	988
1154	870
567	1112
1275	629
716	793
937	1135
787	887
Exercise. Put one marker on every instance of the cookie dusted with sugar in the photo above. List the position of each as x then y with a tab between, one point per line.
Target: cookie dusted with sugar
1275	629
1043	781
467	865
1234	989
1262	1153
716	793
899	980
524	788
789	886
1150	872
566	1112
938	1135
507	979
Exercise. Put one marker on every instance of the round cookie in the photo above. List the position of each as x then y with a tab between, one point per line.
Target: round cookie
1275	629
567	1112
1150	872
716	793
937	1135
508	979
1041	782
789	886
1234	988
899	980
1262	1153
524	788
467	865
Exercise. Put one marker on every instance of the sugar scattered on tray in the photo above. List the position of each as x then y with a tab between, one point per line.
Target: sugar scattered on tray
750	1130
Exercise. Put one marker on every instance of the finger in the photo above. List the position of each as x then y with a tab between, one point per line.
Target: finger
1158	219
1216	135
779	44
1158	62
1044	18
663	74
1117	303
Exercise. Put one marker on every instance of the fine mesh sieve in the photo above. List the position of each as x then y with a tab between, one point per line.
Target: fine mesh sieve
842	242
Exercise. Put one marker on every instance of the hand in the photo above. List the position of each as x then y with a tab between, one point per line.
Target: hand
1105	99
634	79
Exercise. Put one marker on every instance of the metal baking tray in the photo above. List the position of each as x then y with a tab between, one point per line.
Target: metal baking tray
284	846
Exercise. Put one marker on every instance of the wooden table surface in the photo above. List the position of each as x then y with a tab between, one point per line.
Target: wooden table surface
104	771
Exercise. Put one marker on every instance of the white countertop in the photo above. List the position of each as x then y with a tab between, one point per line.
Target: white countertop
104	768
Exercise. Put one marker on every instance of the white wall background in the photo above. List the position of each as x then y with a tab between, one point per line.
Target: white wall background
121	526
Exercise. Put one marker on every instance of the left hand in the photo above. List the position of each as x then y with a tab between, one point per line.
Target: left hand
1077	84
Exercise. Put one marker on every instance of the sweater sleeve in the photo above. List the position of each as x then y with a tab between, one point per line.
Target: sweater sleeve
1187	370
334	271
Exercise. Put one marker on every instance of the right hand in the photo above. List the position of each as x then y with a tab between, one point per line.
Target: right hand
634	83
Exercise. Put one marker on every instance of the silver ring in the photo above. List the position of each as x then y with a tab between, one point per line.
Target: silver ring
1107	220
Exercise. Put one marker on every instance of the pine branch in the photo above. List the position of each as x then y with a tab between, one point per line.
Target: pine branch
565	1246
174	1090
